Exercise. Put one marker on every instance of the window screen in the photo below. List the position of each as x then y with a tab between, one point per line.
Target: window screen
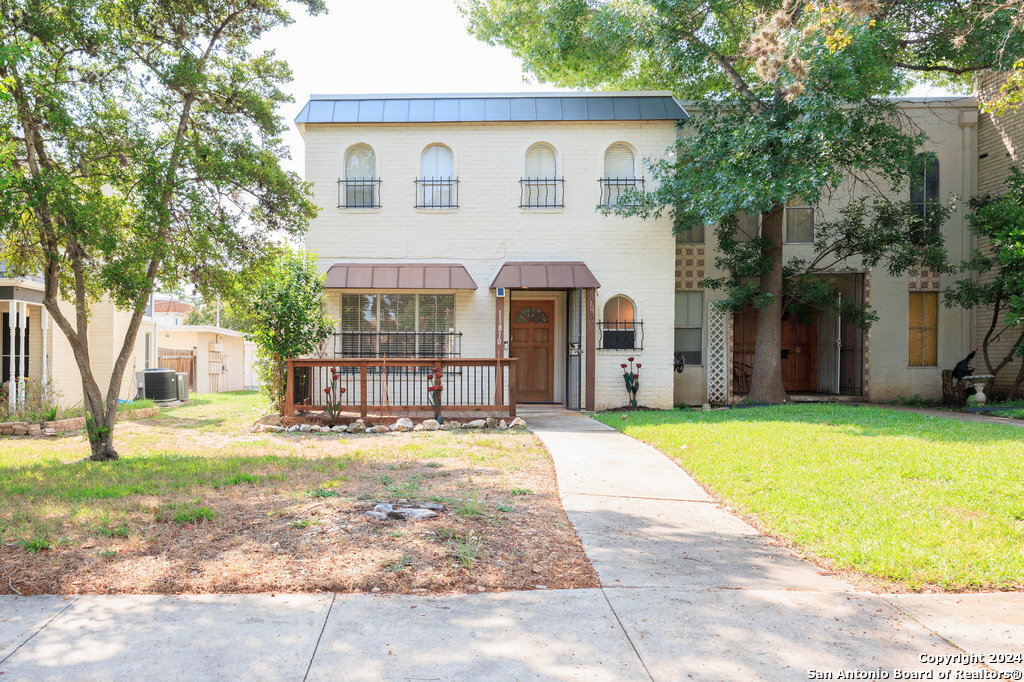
799	225
689	325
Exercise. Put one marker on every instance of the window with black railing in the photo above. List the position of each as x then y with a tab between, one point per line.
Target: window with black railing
541	192
359	193
363	344
620	328
620	191
437	192
621	335
397	326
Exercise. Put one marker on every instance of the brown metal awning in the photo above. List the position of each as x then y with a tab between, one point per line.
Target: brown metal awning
545	275
398	276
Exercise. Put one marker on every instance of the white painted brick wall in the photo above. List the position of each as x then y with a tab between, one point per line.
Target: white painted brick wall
628	256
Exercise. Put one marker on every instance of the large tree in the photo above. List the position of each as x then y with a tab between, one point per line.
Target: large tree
791	101
140	146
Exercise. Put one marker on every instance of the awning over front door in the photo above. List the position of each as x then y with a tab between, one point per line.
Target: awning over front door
398	276
545	275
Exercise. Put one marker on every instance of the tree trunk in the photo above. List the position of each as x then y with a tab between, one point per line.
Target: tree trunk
766	380
954	392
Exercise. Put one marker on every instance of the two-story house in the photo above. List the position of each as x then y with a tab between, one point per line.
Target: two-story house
467	226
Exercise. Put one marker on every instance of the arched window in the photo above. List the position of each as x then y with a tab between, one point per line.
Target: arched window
361	181
924	182
541	186
619	325
436	184
619	161
619	173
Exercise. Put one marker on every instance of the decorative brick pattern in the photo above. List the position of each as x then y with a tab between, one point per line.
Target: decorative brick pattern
689	267
924	280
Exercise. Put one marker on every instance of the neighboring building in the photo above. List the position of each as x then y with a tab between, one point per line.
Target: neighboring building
47	353
1000	145
474	221
215	358
170	313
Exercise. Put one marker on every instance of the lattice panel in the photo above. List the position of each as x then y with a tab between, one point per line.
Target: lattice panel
718	355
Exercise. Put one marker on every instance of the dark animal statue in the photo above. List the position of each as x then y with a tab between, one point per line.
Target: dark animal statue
963	368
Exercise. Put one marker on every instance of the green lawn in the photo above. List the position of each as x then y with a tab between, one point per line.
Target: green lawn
897	495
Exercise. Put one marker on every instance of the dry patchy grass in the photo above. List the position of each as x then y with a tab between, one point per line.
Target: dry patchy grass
200	504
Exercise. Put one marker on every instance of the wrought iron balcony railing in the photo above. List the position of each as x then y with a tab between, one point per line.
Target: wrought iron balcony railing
613	189
541	192
437	193
621	335
359	193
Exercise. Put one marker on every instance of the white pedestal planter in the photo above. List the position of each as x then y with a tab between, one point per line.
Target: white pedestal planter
979	381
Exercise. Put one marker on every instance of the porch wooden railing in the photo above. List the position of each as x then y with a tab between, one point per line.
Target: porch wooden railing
400	385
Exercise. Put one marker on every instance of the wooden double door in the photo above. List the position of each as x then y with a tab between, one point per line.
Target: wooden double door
799	351
532	343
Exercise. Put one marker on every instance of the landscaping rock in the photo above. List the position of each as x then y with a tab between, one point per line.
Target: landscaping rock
502	425
418	427
475	424
380	428
384	507
414	514
436	506
517	422
293	428
338	428
380	516
356	427
306	428
7	429
431	425
403	424
451	426
50	432
271	428
491	422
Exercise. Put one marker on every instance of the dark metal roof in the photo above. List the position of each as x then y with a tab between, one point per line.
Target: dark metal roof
545	275
398	276
475	108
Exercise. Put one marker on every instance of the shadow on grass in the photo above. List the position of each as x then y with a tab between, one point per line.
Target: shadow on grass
863	421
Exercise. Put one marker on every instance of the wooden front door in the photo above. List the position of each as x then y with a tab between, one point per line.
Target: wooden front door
799	351
532	343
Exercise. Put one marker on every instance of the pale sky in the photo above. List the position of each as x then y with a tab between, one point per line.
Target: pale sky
388	46
394	46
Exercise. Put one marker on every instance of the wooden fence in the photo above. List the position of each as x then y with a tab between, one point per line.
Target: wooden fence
384	384
179	361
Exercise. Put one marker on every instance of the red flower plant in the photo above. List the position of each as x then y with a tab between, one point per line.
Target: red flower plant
632	380
333	396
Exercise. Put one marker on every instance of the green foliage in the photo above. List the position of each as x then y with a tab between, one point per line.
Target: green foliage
140	146
520	491
467	549
206	313
192	512
998	221
280	308
791	100
35	545
1011	93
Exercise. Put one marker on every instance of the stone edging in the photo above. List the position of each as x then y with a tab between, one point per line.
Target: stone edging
52	428
402	424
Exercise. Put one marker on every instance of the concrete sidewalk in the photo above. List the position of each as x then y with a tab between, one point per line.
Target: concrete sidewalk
688	591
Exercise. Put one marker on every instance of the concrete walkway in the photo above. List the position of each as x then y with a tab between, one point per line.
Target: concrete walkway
688	592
